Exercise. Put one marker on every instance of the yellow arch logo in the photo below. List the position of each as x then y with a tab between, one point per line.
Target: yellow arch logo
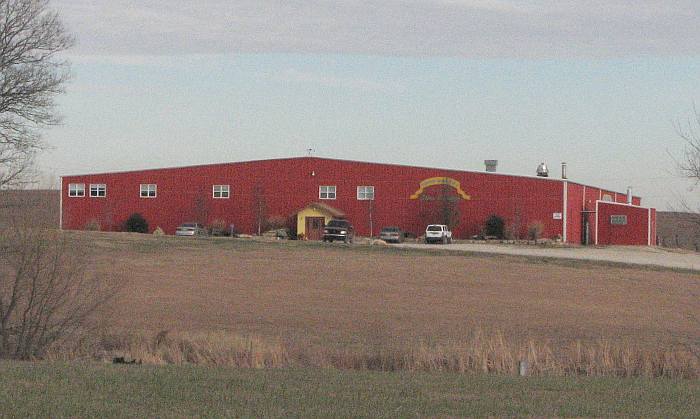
441	181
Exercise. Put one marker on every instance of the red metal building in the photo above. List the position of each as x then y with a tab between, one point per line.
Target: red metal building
370	195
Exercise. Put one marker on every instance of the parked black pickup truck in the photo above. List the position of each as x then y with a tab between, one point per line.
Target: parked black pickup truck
338	230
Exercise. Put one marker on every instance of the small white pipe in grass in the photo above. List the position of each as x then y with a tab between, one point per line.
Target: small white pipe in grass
522	368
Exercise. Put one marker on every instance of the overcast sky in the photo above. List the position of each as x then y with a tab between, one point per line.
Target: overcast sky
598	84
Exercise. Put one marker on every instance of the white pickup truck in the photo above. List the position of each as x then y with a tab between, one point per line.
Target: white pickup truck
438	233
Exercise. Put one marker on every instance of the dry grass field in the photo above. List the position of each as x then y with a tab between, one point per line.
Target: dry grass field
254	303
339	295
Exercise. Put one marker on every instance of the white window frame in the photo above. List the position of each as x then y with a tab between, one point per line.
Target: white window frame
224	191
98	187
74	188
324	192
148	188
365	193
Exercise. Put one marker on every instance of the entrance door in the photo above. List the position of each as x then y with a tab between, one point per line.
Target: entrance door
314	227
585	230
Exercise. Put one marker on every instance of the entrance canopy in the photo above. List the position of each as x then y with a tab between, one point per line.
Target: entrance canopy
317	214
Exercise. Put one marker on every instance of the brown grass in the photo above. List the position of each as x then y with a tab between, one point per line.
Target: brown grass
359	308
480	353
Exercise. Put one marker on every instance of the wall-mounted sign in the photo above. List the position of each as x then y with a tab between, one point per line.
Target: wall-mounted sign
557	216
433	181
618	220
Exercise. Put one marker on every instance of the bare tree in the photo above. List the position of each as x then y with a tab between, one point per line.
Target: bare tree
686	218
689	163
201	210
442	208
31	74
46	293
259	207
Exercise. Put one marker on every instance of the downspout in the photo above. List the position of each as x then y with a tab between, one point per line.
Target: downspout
564	211
596	222
371	220
649	227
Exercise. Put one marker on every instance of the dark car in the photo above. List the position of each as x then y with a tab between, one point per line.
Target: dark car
391	235
338	230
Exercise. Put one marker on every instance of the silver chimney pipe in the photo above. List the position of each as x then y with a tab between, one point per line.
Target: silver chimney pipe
563	170
629	195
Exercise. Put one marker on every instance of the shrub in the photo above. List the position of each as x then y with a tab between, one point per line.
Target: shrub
275	222
494	226
219	228
511	232
535	230
136	224
93	225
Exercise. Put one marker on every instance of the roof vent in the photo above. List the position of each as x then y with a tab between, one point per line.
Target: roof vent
542	170
491	165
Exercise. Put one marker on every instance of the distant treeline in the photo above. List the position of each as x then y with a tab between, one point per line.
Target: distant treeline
39	208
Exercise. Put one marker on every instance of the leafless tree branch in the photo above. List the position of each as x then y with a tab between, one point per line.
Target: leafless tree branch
689	132
46	291
31	75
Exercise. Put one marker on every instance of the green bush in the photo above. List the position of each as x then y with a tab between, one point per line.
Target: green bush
494	226
136	224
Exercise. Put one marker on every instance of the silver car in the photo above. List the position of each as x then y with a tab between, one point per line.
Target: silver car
391	235
190	229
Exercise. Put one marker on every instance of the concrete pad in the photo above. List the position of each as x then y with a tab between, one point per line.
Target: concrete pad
633	255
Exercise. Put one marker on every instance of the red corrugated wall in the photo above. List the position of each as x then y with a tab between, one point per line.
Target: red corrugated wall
288	185
185	194
636	232
582	206
573	212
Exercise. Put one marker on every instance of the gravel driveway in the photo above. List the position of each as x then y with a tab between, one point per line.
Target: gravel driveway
635	255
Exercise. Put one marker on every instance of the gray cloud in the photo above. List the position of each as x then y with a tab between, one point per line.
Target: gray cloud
465	28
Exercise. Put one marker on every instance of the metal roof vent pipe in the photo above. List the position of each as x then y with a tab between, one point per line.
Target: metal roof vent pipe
542	170
563	170
491	165
629	195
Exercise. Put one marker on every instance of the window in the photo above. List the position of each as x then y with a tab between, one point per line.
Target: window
326	192
76	189
618	220
221	191
98	190
365	192
149	190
